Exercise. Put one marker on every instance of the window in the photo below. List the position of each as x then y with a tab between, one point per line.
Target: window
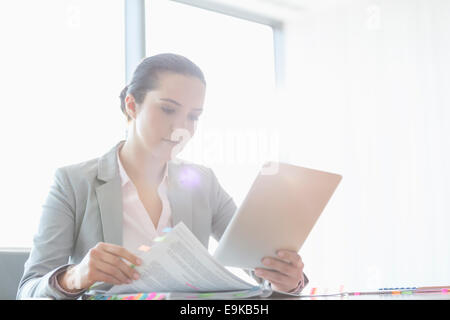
59	107
236	132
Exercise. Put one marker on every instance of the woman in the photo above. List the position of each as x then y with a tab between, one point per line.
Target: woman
98	212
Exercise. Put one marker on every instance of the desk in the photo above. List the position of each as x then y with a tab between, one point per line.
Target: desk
375	296
396	295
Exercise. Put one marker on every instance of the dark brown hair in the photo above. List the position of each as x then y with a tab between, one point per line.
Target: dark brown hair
145	76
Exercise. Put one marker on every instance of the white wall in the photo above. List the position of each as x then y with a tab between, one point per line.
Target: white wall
367	96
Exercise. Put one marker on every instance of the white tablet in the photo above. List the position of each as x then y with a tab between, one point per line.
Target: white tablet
279	212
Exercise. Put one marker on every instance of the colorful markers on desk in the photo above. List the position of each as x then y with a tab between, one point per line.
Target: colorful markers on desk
435	289
137	296
441	289
407	290
315	292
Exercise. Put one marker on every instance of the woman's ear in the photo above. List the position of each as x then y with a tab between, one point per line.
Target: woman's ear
130	106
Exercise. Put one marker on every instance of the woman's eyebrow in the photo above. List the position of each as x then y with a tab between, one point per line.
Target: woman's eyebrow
171	100
177	103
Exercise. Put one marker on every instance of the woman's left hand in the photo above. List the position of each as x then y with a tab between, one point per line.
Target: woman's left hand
286	273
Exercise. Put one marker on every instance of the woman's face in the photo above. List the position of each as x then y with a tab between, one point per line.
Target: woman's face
169	114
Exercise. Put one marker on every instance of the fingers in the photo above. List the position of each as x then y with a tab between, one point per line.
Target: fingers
285	272
120	252
104	277
113	272
279	281
280	266
290	256
118	264
273	276
114	263
280	286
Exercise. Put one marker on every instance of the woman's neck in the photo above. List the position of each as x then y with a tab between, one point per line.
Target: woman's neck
141	166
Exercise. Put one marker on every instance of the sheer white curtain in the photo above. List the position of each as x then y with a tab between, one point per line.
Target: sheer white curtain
368	96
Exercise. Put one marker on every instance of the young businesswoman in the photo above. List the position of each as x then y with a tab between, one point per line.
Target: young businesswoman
99	212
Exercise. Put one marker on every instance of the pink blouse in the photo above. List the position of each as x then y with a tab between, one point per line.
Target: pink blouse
138	227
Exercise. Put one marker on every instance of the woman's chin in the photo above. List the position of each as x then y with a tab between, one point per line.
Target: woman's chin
168	152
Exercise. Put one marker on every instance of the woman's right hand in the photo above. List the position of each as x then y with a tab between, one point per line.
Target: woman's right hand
105	262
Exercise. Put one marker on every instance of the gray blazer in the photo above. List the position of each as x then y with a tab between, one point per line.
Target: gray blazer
84	207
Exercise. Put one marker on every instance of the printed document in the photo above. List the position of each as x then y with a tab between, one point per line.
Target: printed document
180	263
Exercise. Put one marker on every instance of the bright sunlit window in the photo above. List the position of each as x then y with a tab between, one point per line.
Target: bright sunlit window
60	101
235	134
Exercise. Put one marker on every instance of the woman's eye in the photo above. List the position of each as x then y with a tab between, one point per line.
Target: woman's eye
168	110
193	117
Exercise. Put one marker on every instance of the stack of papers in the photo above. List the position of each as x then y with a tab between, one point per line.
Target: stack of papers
180	267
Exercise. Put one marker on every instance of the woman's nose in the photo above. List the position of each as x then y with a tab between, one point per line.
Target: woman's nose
180	123
180	134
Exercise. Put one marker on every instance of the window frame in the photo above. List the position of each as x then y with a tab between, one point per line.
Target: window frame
135	40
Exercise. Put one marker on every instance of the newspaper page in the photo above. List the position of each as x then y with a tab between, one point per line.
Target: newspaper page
180	263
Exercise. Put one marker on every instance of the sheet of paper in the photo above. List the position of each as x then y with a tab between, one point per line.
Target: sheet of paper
225	295
221	295
180	263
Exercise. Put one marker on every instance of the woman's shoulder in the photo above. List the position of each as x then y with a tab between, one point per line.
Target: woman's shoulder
104	167
80	171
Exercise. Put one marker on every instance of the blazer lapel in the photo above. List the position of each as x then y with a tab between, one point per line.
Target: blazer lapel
180	196
110	203
109	197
